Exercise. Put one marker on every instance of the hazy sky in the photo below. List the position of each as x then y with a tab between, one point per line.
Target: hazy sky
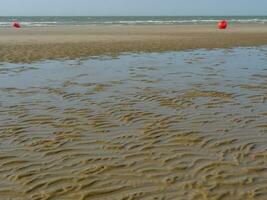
133	7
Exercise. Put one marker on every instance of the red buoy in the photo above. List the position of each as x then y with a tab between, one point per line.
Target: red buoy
222	24
16	24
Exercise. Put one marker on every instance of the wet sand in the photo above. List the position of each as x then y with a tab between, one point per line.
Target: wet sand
188	126
40	43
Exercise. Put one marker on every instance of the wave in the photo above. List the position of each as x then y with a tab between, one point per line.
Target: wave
30	24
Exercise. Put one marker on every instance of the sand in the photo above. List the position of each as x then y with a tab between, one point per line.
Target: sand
187	125
160	126
40	43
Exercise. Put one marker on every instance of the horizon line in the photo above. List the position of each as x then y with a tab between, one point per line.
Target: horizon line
133	15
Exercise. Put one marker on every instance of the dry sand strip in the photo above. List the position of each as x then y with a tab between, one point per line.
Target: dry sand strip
40	43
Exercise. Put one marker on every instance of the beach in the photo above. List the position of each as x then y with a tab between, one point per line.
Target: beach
41	43
133	112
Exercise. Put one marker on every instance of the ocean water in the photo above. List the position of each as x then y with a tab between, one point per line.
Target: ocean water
175	125
127	20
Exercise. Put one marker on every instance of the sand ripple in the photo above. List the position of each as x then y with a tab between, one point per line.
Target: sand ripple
189	125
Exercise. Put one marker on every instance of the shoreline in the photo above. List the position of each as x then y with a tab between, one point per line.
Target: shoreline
70	42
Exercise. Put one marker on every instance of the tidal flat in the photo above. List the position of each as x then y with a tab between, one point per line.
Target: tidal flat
187	125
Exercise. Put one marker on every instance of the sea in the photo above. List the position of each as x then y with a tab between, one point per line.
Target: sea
30	21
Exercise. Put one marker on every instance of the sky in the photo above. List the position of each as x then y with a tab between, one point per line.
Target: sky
131	7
